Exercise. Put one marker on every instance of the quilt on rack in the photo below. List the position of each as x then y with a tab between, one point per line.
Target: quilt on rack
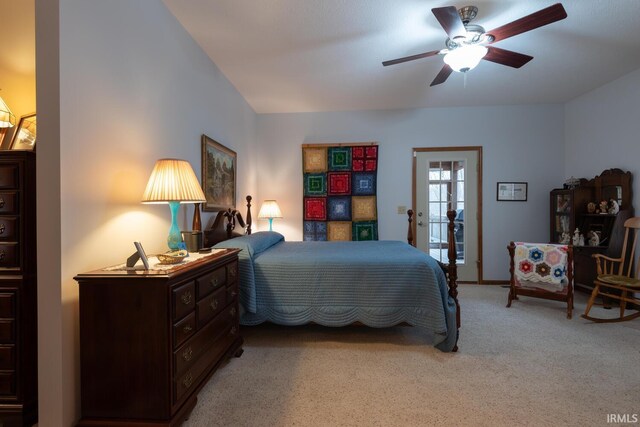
340	184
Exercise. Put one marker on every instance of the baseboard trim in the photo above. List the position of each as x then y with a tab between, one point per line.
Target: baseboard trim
495	282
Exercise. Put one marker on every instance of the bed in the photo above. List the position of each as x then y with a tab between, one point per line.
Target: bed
377	283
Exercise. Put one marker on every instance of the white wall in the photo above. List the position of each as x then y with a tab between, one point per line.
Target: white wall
520	143
134	87
601	131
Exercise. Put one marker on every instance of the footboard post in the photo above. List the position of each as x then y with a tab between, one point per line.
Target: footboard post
453	269
249	214
410	229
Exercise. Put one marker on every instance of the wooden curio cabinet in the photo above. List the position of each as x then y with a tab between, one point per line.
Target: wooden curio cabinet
569	211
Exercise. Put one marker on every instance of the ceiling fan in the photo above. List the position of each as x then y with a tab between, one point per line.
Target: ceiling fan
467	43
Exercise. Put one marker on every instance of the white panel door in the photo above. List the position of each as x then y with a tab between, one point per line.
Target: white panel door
448	180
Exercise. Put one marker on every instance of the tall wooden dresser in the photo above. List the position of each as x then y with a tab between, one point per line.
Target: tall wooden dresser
18	290
150	339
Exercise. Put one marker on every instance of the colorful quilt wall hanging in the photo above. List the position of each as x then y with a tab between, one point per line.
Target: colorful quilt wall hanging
340	184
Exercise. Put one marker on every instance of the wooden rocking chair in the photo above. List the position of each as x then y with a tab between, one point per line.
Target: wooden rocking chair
618	273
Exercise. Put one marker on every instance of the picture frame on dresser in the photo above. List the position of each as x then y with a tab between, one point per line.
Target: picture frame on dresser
219	166
24	136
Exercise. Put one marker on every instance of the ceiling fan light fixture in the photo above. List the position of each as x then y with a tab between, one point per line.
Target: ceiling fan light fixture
465	58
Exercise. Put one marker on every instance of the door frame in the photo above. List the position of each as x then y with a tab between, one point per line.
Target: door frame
478	149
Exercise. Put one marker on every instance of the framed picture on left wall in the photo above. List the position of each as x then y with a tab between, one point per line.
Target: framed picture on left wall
219	165
24	137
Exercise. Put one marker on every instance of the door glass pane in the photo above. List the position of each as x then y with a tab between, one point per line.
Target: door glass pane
446	191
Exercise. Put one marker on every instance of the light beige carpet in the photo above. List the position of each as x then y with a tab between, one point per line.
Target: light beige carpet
524	365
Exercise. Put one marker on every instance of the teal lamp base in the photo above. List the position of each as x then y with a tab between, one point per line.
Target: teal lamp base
175	238
270	224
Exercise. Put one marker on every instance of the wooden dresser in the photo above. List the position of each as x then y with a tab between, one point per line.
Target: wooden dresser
18	290
150	340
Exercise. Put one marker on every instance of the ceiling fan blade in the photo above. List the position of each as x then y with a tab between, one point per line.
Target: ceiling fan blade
506	57
530	22
450	20
443	75
411	58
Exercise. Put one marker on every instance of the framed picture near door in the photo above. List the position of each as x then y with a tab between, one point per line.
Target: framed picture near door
512	192
218	175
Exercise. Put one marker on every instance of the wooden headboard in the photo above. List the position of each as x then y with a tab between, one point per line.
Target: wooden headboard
227	225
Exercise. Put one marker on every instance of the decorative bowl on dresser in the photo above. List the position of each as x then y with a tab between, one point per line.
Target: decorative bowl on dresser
18	290
151	339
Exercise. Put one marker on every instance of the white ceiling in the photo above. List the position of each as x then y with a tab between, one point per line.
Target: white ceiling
325	55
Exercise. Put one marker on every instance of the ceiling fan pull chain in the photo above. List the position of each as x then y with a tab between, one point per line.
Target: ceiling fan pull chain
465	80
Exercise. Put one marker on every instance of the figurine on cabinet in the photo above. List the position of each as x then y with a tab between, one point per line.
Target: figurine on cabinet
614	208
565	239
604	207
591	207
594	239
576	237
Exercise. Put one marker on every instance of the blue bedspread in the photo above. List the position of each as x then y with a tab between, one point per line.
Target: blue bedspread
379	284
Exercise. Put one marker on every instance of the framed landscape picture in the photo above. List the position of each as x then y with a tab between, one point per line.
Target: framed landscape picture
218	175
24	137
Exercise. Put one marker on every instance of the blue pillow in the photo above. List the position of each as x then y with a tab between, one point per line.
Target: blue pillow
255	243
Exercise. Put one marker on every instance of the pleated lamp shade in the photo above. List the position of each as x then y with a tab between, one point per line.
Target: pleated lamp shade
7	119
270	209
173	180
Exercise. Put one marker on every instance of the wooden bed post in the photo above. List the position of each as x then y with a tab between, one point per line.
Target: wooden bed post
248	214
453	270
410	229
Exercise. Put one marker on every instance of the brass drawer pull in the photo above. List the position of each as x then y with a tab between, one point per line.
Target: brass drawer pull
233	294
233	330
213	282
188	380
2	228
1	202
232	271
2	255
213	304
186	298
187	329
233	312
187	354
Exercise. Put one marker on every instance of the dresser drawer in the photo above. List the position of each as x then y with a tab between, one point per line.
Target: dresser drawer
8	202
232	271
184	329
8	228
194	347
9	255
211	281
192	376
9	175
184	300
209	306
7	305
7	357
232	292
7	331
7	383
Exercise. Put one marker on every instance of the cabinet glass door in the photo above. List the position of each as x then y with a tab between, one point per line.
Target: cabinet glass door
562	217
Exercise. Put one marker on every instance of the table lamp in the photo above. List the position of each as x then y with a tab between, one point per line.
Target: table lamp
7	119
173	181
269	210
